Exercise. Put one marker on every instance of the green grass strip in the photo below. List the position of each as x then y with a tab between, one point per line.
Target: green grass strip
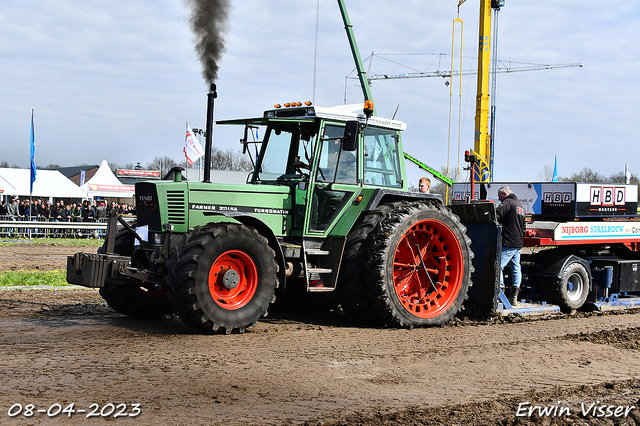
52	241
33	278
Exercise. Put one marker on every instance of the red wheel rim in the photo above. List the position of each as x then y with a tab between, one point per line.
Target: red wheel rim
246	281
428	293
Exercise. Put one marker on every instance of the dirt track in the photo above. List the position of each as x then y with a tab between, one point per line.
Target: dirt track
67	346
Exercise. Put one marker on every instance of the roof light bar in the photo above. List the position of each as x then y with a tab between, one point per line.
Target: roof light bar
292	104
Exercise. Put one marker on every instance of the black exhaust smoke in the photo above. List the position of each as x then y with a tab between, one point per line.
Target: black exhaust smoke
208	22
208	139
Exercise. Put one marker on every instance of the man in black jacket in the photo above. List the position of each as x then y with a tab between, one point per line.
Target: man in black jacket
511	216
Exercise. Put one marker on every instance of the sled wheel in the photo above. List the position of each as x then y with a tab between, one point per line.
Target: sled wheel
420	266
572	288
137	299
222	278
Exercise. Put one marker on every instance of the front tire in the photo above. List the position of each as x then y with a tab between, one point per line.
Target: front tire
420	266
134	298
137	299
222	278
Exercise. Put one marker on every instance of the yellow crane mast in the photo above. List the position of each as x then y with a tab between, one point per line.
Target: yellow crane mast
482	139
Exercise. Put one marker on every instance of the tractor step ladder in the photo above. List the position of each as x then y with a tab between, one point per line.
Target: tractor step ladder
312	256
317	252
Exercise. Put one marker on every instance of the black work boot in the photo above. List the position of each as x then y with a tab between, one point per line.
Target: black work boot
513	295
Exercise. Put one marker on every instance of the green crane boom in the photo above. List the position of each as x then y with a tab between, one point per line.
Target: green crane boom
362	74
366	89
442	178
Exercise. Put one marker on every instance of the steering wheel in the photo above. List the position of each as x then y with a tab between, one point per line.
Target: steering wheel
299	165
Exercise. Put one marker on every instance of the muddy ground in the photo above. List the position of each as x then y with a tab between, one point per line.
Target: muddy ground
313	368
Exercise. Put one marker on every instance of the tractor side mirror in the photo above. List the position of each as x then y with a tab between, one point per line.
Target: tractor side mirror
350	139
244	141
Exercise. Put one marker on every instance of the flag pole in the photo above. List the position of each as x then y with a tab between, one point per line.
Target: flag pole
186	163
32	161
31	140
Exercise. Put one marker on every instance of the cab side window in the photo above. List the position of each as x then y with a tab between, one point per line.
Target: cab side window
334	162
381	158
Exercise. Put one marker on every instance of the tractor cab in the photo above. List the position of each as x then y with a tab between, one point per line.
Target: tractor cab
326	156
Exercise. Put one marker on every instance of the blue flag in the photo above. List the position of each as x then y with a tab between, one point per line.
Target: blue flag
555	171
33	154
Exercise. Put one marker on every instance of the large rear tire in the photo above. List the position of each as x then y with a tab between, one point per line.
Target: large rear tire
136	299
352	291
222	278
419	269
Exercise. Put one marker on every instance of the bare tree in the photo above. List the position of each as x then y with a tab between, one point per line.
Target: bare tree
5	165
545	174
620	177
115	167
585	175
229	160
220	160
164	164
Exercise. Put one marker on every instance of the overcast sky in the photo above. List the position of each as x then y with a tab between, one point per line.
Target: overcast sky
116	81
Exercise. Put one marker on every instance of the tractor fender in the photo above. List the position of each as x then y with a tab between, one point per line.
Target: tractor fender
553	265
264	230
382	196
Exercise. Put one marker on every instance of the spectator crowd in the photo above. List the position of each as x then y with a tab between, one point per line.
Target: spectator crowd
39	210
88	211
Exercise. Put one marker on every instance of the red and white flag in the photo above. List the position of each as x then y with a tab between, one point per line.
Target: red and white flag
192	148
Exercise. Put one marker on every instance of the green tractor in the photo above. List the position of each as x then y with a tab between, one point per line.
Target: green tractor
326	209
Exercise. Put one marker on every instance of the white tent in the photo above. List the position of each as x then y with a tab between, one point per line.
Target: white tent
6	187
48	183
105	184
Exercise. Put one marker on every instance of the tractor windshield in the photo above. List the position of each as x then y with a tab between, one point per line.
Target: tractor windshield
287	151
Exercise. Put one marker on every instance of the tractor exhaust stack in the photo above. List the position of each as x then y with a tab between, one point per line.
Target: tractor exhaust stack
208	147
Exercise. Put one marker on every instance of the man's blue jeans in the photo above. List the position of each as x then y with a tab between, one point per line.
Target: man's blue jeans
511	256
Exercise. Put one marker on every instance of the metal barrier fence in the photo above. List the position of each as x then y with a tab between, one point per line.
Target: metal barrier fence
20	227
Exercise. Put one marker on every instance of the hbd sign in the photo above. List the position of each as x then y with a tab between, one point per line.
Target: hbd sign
557	197
606	200
607	196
